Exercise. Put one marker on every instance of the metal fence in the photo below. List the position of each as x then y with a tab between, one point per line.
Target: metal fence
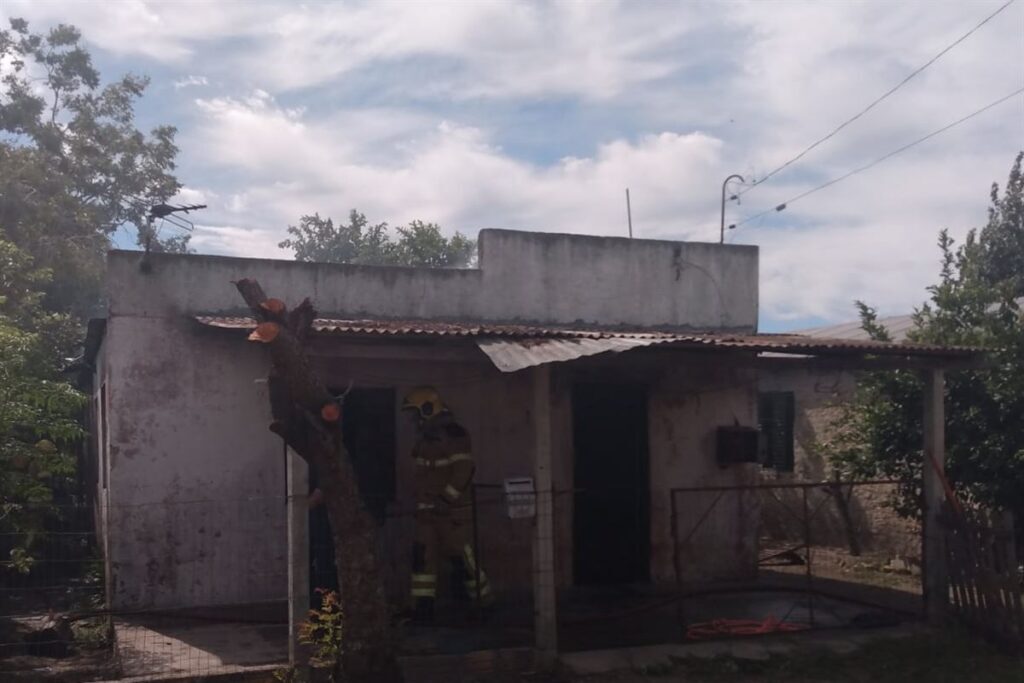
792	556
201	587
171	588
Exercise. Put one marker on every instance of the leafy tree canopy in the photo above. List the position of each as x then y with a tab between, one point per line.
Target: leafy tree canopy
74	170
73	166
417	244
977	301
38	411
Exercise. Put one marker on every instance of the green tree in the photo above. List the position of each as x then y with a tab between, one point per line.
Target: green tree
39	426
418	244
976	302
74	169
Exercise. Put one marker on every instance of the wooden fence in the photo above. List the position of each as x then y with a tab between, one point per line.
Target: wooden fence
985	575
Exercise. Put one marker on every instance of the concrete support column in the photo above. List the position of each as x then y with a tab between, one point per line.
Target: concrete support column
298	553
936	579
544	596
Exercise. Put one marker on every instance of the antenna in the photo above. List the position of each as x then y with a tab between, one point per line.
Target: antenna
166	212
629	215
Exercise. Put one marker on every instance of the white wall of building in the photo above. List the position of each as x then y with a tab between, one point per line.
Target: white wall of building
196	482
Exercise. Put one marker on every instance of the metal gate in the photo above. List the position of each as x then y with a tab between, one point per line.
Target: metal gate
770	557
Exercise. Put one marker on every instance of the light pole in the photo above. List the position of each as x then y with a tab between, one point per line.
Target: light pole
734	175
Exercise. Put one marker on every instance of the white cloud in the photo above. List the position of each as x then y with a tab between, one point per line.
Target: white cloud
189	81
497	49
453	174
670	97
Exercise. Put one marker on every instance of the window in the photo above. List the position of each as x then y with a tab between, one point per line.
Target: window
775	412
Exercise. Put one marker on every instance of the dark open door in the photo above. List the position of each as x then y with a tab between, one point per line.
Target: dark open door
611	534
369	427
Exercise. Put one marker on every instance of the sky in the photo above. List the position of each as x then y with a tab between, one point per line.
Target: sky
537	116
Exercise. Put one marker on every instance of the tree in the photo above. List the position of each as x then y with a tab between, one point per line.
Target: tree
74	169
418	244
309	420
39	425
73	166
976	302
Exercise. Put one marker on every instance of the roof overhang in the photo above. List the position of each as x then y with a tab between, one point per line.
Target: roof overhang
514	347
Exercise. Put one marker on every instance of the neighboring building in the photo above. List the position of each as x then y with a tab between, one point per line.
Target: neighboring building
797	408
612	371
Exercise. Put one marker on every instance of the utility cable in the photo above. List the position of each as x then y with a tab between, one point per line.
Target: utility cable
877	101
879	160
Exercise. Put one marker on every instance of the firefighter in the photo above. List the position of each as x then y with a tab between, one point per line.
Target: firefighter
444	504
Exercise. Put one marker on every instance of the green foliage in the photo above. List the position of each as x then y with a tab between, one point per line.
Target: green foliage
38	430
39	424
418	244
73	167
977	303
322	630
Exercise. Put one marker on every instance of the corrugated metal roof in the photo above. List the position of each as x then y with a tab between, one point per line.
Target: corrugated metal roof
896	325
514	347
431	328
509	355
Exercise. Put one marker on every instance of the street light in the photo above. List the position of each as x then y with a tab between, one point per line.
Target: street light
740	178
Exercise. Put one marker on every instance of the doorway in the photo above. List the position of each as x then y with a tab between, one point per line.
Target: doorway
369	436
611	520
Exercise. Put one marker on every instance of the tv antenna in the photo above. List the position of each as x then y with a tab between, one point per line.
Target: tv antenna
167	213
170	214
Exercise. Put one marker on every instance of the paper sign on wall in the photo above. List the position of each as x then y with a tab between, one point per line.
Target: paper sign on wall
520	498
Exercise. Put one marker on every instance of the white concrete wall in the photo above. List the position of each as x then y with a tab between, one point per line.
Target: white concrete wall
196	482
528	277
689	396
819	399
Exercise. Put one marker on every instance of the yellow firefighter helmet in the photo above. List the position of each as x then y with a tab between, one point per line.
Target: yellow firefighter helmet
425	401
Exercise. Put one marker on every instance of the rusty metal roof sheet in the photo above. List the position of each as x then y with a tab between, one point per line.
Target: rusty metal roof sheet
431	328
514	347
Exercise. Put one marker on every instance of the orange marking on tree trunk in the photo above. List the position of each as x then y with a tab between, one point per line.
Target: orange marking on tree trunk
265	333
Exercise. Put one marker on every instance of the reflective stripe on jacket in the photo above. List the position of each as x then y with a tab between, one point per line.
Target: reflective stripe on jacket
444	463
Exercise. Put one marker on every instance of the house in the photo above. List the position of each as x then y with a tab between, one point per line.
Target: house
797	408
609	371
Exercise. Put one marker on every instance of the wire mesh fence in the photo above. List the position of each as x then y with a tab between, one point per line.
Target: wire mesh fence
783	557
201	587
187	587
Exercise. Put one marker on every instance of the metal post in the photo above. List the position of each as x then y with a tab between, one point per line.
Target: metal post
544	597
807	553
676	566
936	581
298	554
476	551
726	182
629	214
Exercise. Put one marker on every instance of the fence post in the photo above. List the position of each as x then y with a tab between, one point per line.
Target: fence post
544	598
298	553
936	578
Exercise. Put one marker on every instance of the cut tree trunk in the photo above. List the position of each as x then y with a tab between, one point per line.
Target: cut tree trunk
311	421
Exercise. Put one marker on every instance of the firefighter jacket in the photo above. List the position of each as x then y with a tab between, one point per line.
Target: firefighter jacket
444	465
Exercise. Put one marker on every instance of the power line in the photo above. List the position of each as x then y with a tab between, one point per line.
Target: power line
879	160
886	94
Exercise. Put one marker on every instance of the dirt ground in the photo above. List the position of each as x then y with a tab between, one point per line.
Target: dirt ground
947	658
